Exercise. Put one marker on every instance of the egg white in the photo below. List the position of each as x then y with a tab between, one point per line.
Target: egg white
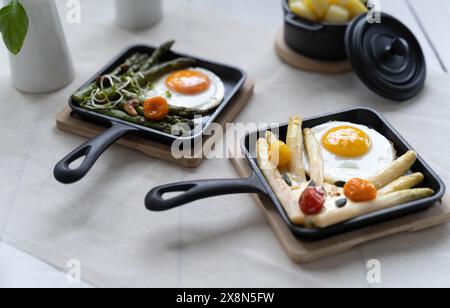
336	168
205	101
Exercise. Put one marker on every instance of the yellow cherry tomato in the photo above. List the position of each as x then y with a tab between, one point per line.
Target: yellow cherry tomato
280	154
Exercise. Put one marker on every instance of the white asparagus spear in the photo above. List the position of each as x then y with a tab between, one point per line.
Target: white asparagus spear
277	183
352	210
294	141
405	182
271	137
314	152
274	153
395	170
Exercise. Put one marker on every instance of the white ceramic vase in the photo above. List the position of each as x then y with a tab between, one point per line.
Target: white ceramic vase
138	14
44	63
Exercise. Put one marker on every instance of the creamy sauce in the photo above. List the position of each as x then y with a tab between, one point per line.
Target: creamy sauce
333	194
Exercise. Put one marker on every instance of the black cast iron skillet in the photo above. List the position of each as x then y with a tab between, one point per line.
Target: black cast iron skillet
315	40
195	190
232	77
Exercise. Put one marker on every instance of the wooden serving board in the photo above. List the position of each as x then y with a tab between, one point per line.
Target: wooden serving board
296	60
66	121
304	251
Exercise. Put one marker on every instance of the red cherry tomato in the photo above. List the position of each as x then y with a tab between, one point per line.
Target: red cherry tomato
312	200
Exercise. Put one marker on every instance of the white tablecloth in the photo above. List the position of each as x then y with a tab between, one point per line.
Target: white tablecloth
220	242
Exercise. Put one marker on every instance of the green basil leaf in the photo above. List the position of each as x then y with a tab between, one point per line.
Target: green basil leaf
13	26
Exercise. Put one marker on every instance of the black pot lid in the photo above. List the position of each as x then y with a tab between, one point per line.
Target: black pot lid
387	57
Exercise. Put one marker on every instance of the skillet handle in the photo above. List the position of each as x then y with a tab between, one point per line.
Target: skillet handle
196	190
91	151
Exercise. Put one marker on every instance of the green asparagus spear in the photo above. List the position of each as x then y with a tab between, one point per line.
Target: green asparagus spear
188	113
171	119
83	93
180	112
161	126
157	56
180	120
135	67
86	92
134	59
157	71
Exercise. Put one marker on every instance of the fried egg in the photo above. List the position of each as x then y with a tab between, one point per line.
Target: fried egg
352	151
196	88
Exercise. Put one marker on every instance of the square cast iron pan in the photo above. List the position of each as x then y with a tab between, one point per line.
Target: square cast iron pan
233	79
372	119
195	190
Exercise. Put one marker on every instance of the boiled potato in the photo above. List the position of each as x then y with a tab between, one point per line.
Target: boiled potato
320	7
332	11
356	8
337	14
342	3
299	8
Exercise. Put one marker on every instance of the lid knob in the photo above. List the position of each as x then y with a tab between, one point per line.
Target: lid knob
398	47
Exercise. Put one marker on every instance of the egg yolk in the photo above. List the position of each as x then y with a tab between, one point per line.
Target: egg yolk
188	82
346	141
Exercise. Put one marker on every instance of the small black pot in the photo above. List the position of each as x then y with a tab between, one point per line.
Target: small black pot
320	41
385	55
